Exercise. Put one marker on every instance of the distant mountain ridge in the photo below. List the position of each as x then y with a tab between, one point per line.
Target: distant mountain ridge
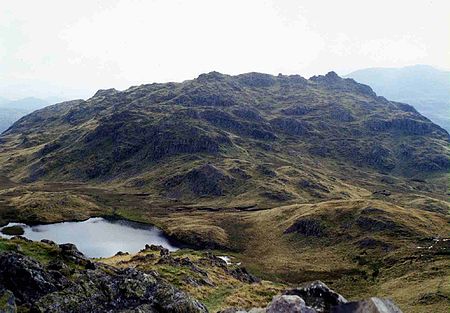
12	110
423	86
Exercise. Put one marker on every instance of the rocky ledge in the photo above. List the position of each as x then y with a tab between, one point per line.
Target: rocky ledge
72	283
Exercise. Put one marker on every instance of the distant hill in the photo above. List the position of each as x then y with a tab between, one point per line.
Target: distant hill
423	86
12	110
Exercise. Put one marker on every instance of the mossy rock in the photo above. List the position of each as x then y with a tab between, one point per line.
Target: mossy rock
13	230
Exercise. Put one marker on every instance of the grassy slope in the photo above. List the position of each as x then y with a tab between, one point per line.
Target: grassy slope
415	278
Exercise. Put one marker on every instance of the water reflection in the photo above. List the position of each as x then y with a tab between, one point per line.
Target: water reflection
100	237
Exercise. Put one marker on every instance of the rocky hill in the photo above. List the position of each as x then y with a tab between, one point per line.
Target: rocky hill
248	136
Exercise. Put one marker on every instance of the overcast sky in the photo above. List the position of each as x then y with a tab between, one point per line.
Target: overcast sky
72	48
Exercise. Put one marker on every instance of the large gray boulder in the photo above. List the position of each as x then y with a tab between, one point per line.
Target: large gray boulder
372	305
288	304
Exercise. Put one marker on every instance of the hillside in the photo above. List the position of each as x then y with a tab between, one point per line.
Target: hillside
299	179
425	87
274	138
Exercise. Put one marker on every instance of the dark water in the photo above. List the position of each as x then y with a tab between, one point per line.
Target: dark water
99	237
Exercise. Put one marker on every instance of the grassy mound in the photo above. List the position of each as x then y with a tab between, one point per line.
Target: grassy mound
13	230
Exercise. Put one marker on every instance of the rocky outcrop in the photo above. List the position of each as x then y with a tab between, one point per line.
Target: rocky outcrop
307	227
312	186
332	81
298	110
290	126
407	126
257	80
318	296
242	274
205	180
27	278
248	114
30	285
260	130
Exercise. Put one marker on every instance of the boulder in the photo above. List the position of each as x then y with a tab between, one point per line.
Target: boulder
71	252
26	278
169	299
288	304
372	305
241	273
318	296
153	248
49	242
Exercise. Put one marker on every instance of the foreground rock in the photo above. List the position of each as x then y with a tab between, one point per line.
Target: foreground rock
100	288
316	297
288	304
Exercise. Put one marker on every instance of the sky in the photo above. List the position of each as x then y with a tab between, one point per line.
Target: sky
70	49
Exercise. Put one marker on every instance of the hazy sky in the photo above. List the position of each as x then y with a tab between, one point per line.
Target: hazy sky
72	48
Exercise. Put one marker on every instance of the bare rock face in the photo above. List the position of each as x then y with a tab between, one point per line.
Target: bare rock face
307	227
242	274
205	180
372	305
27	278
288	304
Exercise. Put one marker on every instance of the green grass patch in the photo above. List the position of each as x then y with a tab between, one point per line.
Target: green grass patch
216	299
37	250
